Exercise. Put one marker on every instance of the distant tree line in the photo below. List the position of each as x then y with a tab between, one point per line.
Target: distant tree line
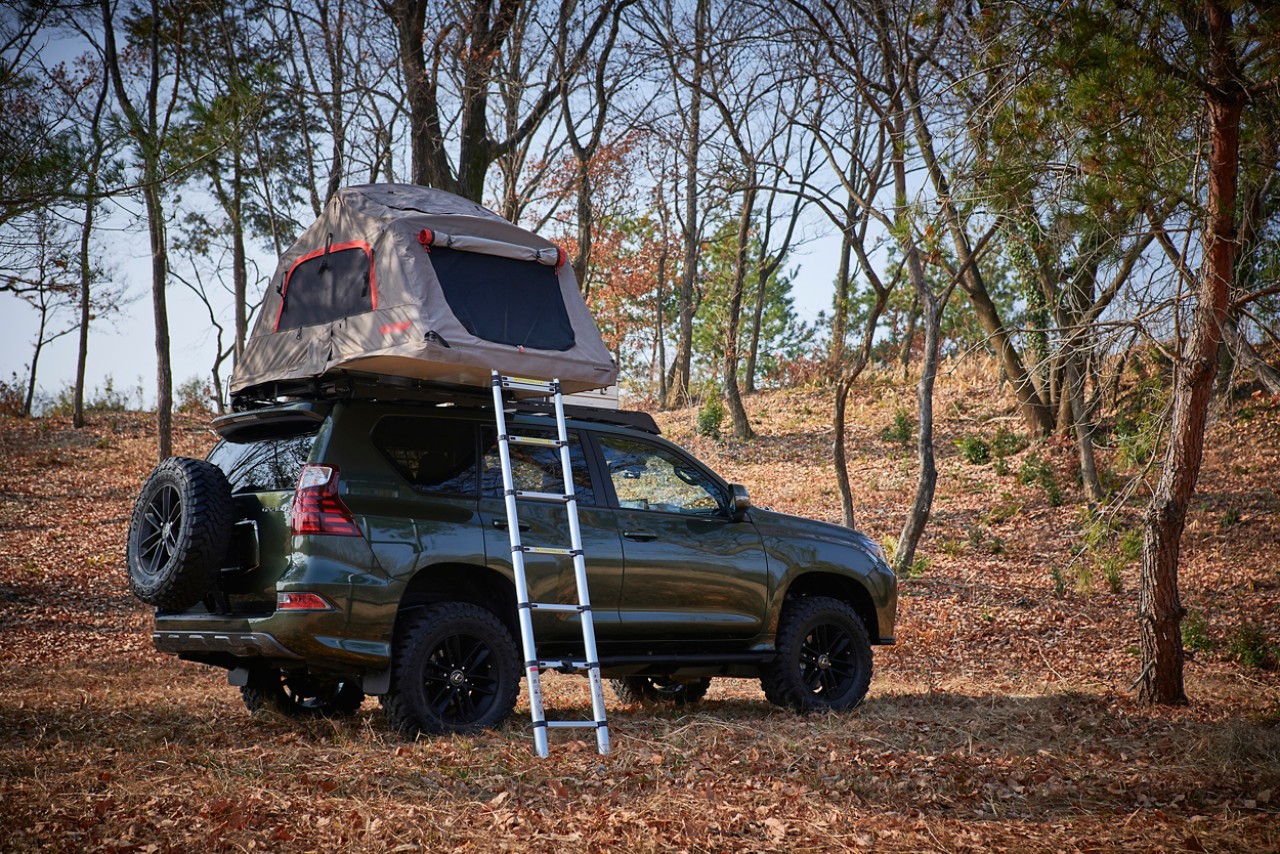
1061	186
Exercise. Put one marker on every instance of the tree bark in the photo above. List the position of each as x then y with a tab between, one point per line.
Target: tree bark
733	323
1159	608
1248	356
927	473
86	268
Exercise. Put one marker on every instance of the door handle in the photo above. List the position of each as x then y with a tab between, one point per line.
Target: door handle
639	536
500	523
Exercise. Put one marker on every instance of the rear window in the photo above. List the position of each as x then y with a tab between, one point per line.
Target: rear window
433	454
534	468
504	300
263	465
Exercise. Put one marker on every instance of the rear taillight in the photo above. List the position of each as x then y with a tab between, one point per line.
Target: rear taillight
303	602
317	509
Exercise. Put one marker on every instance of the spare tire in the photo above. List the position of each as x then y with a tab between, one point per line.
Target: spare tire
179	533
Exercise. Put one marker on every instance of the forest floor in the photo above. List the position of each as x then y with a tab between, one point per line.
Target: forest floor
1003	719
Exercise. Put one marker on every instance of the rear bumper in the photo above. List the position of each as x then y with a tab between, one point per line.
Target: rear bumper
322	640
236	644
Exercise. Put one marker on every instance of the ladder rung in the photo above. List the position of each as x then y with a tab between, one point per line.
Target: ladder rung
562	665
525	384
540	550
574	724
548	606
536	441
541	496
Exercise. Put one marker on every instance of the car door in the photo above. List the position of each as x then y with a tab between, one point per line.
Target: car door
689	571
551	578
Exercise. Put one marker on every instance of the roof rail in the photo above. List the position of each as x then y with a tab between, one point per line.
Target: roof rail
376	387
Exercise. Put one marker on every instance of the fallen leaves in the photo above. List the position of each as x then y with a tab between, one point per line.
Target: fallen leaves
999	721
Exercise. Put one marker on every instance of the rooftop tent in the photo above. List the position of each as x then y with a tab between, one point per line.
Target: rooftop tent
406	281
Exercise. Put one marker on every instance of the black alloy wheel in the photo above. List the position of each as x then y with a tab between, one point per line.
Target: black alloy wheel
457	671
182	522
824	657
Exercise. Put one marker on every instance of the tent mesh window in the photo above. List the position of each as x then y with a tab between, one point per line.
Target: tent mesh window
327	287
504	300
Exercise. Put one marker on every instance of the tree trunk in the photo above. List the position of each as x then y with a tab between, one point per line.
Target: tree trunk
840	310
681	368
149	144
1159	608
660	334
29	400
1074	392
909	340
160	312
1248	356
86	268
757	320
583	256
927	475
838	457
429	162
741	424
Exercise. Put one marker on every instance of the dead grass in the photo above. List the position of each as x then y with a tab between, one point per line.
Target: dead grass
1001	720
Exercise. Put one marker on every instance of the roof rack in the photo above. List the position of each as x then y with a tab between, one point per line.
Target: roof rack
376	387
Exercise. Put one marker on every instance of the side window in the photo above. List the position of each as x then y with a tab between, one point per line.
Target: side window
646	477
433	454
536	469
263	465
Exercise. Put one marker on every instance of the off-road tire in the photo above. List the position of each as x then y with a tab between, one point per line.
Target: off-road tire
660	689
179	533
457	670
824	657
300	695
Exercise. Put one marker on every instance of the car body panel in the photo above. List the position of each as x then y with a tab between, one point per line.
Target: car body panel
689	592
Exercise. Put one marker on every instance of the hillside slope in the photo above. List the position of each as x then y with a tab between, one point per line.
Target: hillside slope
1003	717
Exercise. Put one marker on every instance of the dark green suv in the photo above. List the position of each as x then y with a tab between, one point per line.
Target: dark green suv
329	549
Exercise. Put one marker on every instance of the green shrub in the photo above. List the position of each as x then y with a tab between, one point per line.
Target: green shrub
13	396
105	399
195	397
1059	580
711	417
1195	633
1249	647
974	449
1130	545
1036	470
903	429
1006	443
1111	573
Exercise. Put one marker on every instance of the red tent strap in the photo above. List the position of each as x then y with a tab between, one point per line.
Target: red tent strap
561	258
425	237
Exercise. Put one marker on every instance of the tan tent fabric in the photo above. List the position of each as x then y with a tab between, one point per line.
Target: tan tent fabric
404	323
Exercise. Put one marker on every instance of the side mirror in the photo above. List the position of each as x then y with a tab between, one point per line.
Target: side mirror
739	502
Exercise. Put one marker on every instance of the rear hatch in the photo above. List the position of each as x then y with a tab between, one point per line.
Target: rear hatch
262	454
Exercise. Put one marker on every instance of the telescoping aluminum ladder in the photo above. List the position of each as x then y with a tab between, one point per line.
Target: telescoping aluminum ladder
533	665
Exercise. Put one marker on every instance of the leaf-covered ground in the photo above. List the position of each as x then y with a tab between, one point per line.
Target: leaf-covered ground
1002	720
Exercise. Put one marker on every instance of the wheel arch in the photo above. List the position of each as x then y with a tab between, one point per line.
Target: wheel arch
840	587
461	582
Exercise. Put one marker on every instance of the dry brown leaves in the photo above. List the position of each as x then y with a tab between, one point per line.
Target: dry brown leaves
1002	720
